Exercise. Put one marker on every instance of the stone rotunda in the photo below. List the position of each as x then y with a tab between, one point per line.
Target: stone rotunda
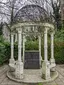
28	21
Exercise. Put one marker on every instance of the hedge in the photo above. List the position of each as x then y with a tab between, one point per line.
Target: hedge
4	52
31	45
59	52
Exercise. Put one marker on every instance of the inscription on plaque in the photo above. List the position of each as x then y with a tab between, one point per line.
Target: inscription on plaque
31	60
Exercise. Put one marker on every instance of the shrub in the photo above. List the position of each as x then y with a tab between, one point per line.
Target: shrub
59	36
59	52
15	50
2	53
8	51
1	39
5	52
32	45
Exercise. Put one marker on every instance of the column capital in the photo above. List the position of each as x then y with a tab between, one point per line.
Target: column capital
45	31
24	38
52	32
11	33
19	31
39	35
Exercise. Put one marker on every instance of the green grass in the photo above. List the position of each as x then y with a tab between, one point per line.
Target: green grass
40	84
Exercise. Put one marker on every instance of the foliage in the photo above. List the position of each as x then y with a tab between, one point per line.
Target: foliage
15	50
8	51
1	39
58	49
31	45
59	35
2	52
34	45
40	84
59	52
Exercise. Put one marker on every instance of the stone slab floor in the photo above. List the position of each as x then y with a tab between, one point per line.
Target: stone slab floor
5	81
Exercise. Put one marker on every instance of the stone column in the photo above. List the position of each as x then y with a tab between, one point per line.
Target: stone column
46	64
12	62
16	37
23	48
52	60
19	63
19	46
40	49
45	46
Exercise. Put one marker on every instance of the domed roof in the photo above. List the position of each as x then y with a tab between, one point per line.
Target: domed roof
31	13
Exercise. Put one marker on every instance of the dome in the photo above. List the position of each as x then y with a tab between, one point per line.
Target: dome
31	13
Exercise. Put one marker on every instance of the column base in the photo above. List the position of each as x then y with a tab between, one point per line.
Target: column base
52	62
19	70
46	70
41	61
12	62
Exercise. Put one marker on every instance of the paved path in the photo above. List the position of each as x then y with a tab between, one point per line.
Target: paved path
5	81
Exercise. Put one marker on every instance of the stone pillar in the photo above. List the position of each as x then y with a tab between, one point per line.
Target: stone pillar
12	62
23	48
40	49
46	64
19	45
52	60
19	63
16	37
45	46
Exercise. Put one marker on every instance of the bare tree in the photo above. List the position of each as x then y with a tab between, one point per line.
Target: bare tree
56	13
9	8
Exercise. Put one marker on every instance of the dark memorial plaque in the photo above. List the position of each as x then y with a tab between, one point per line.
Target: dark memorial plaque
31	60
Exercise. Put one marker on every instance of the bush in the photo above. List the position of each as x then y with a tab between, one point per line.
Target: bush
31	45
15	50
59	36
1	39
59	52
5	50
8	50
2	53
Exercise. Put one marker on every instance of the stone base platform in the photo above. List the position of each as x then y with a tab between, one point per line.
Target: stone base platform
32	76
